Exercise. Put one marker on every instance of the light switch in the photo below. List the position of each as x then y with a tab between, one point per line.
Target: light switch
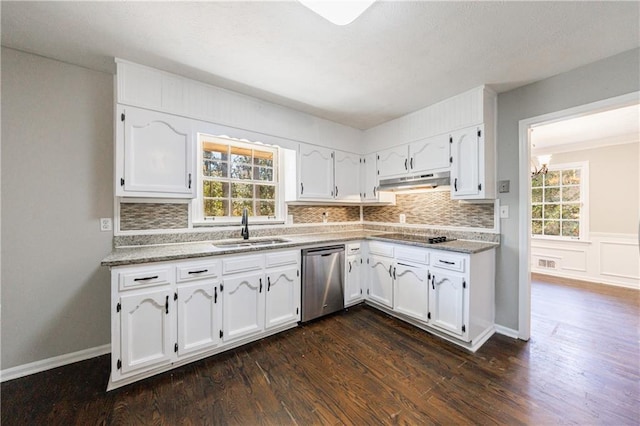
504	212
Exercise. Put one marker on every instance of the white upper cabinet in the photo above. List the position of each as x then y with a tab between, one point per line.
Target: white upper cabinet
429	154
472	167
347	176
369	178
315	172
154	154
393	162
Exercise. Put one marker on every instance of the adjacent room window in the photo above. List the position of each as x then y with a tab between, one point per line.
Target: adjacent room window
558	207
235	175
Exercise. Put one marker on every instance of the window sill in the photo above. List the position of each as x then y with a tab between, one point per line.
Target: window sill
538	238
221	224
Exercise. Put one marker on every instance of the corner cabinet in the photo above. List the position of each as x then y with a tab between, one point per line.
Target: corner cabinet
154	154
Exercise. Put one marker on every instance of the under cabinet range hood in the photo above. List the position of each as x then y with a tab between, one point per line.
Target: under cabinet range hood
428	180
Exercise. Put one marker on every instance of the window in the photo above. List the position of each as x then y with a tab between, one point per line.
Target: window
558	207
235	175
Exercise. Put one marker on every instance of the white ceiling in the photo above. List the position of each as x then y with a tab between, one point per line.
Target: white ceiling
612	127
396	58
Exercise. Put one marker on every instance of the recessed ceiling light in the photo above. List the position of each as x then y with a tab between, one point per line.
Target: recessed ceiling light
338	12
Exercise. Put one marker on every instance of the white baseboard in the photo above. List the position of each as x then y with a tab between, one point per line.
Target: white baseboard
49	363
509	332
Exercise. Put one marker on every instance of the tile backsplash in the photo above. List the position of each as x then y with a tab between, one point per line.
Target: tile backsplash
334	214
432	208
145	216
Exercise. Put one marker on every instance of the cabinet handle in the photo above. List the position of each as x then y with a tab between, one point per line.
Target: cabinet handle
301	188
433	281
390	266
405	164
411	163
146	278
215	295
260	291
189	180
455	184
446	262
336	191
268	283
166	305
374	191
199	272
394	273
349	266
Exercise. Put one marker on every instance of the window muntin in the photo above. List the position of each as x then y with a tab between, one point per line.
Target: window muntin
557	202
236	175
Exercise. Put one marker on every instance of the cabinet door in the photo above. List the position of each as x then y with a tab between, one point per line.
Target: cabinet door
353	274
393	162
446	302
157	154
283	297
243	306
315	172
429	154
146	321
465	169
411	289
347	172
199	319
380	271
369	178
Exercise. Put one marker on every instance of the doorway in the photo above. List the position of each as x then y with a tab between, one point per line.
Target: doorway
525	211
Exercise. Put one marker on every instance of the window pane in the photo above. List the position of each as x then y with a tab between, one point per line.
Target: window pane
239	171
551	227
262	158
266	192
552	211
238	205
536	227
240	155
571	177
536	211
571	228
551	195
537	181
571	211
536	195
214	151
266	208
215	189
263	173
216	207
552	178
570	193
214	168
241	190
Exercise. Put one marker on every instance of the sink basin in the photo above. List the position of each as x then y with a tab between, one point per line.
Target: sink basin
250	243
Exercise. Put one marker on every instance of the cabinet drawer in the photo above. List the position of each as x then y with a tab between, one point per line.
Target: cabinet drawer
446	261
244	263
282	258
412	255
381	249
194	270
145	277
353	248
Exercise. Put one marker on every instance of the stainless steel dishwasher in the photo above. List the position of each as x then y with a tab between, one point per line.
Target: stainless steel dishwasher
322	281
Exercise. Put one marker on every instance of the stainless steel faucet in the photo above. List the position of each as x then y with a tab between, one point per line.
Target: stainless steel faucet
245	224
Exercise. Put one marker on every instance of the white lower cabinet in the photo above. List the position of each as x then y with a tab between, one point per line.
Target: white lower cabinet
199	317
243	306
354	276
411	290
282	297
446	303
147	323
380	279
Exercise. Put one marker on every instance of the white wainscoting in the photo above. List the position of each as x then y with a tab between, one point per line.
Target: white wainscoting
607	258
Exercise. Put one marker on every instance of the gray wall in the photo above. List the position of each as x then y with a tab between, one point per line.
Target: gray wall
614	76
57	162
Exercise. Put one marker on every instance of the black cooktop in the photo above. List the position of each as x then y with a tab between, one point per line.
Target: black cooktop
429	239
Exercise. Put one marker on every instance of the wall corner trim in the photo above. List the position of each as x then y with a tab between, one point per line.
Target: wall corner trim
509	332
54	362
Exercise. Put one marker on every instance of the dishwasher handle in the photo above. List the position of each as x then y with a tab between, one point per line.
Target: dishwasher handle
322	251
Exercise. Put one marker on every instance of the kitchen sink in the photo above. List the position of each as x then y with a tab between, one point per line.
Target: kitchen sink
250	243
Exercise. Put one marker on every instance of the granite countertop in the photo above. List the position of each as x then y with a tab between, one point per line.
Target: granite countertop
166	252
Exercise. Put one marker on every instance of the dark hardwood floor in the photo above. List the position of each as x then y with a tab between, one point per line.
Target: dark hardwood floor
363	367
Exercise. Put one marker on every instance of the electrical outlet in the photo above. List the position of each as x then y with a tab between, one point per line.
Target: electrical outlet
503	186
106	224
504	212
403	218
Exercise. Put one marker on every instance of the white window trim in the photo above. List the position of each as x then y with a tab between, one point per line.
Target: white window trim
197	218
584	205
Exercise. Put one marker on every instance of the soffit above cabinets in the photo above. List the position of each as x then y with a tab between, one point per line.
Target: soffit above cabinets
396	58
